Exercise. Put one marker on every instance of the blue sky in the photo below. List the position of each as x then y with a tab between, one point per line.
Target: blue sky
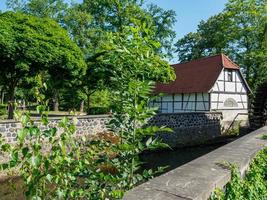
189	12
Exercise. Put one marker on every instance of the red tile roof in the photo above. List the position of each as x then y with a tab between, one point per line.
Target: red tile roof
196	76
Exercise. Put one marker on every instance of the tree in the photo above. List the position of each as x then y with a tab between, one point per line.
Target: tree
91	22
113	15
239	31
131	55
106	165
188	48
54	9
163	21
29	45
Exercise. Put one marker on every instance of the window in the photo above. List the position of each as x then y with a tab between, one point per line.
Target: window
229	76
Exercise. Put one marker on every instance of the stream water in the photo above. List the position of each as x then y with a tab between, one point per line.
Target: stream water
177	157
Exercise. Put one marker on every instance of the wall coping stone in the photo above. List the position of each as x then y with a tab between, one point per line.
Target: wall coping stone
58	118
197	179
193	113
103	116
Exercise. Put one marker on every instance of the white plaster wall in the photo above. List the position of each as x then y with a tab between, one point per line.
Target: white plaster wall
217	101
236	86
223	90
173	103
230	115
235	90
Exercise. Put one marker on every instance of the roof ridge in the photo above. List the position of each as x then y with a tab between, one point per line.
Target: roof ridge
198	59
225	56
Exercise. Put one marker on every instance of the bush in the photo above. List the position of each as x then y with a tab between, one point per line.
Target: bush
58	165
254	184
99	110
3	109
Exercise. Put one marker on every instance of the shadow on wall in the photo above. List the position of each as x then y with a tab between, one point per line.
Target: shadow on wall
188	128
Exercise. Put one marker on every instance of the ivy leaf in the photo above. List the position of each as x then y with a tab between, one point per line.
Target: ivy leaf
36	161
25	151
22	134
149	141
49	177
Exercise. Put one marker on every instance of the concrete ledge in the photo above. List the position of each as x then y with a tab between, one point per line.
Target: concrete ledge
58	118
197	179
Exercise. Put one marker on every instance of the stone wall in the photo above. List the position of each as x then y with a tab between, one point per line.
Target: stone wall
86	125
189	128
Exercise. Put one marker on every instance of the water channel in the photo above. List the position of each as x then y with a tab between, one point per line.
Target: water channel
172	159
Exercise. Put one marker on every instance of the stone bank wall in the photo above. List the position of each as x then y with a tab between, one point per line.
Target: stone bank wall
86	125
189	128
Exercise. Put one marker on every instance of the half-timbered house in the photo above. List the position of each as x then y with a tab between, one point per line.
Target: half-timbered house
208	84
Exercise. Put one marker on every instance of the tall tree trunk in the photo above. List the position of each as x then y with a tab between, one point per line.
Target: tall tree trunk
11	103
55	101
82	106
23	104
2	96
88	104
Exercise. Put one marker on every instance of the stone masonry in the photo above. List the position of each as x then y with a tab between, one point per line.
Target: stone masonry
189	128
86	125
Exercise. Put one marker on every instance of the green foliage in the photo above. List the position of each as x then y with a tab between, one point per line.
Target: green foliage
163	21
114	15
252	186
93	25
56	164
98	110
27	41
40	8
30	45
238	31
234	130
3	109
90	25
130	55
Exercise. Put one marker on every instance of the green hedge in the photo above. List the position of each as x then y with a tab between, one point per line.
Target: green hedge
3	109
252	187
99	110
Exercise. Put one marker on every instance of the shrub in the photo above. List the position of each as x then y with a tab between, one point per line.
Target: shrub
3	109
57	165
254	184
99	110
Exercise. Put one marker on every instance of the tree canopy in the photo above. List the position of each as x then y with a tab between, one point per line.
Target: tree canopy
54	9
90	24
239	31
29	45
